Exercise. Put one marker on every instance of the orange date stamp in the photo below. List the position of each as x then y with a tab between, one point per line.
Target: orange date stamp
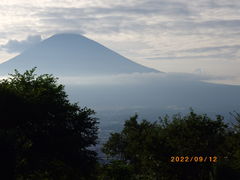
194	159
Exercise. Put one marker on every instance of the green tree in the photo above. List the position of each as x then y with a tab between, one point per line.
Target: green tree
42	134
230	167
116	170
148	147
236	144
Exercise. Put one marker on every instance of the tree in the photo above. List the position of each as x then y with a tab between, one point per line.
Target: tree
42	134
230	167
149	147
116	170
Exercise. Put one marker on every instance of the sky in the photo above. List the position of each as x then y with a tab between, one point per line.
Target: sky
200	37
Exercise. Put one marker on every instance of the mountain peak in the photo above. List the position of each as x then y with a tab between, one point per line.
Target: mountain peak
72	55
67	36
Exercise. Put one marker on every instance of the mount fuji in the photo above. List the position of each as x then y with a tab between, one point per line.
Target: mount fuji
72	55
99	78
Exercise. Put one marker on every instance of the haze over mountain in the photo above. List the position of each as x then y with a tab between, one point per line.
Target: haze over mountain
116	87
72	55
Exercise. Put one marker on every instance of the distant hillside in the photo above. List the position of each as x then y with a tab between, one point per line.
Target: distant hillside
72	55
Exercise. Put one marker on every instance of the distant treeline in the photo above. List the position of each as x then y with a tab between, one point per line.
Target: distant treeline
43	136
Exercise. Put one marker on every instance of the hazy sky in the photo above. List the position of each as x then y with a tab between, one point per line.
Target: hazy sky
201	36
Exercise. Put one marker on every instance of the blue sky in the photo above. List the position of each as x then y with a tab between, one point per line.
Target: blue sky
201	37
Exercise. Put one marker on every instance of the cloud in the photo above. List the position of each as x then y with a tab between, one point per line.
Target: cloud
229	52
112	79
13	46
176	17
180	30
135	78
215	48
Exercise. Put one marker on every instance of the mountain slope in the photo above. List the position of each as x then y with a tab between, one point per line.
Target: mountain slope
72	55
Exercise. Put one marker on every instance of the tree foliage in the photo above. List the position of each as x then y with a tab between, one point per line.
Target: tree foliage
41	132
149	147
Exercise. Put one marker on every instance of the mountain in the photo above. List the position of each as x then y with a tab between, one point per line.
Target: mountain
72	55
149	94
